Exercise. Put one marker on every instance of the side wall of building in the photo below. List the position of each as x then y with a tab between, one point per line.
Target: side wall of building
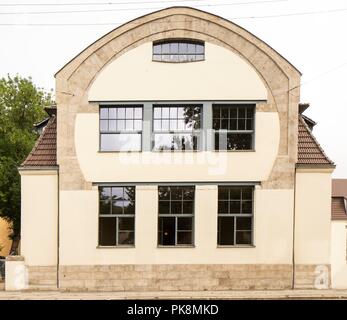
39	225
312	227
339	254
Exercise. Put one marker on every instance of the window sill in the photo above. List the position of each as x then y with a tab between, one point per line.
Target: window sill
116	247
236	246
178	246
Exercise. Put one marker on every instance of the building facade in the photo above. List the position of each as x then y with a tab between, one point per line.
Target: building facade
177	158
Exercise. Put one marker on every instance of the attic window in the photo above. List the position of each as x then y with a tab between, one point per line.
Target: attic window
178	51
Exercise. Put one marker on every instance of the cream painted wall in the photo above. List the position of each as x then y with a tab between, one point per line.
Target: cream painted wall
339	254
79	239
39	214
163	166
134	76
313	217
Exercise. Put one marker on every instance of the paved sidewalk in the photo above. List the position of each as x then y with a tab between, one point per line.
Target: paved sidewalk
172	295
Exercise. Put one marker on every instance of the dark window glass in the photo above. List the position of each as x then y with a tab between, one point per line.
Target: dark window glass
233	125
178	51
176	127
116	216
235	215
120	128
176	211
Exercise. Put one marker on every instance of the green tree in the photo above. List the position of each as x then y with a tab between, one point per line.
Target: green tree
21	105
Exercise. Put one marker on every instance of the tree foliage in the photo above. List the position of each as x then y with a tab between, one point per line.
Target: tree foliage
21	105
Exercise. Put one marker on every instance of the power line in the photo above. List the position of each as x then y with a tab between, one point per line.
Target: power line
120	23
139	8
87	3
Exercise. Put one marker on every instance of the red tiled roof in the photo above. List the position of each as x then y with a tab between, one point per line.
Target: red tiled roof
44	153
338	208
309	150
339	188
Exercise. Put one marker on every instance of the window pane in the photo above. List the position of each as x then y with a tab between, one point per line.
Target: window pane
242	113
246	206
112	125
121	142
235	206
176	193
157	125
164	207
188	193
165	113
200	48
129	125
241	124
117	207
157	49
107	231
126	224
112	113
216	124
164	193
175	142
103	125
223	193
184	237
105	193
121	125
183	48
216	112
174	47
173	113
247	193
243	237
117	193
165	125
165	48
184	224
129	113
232	124
157	112
223	207
129	207
224	124
138	125
157	57
173	125
188	207
121	113
104	207
233	113
250	112
244	224
138	113
180	112
103	113
235	193
176	207
167	230
126	237
226	230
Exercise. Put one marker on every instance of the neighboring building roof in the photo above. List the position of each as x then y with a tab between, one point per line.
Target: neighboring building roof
338	208
44	153
339	188
310	153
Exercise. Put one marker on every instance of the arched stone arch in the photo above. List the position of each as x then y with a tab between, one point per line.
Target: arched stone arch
278	75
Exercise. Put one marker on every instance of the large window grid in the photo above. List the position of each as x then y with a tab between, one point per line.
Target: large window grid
116	216
176	215
233	126
178	51
121	128
235	215
176	127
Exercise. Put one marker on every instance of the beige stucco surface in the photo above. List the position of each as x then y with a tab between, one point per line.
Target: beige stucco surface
179	166
339	254
39	214
5	242
312	217
134	76
79	232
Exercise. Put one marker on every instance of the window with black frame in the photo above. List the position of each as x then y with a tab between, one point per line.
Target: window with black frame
178	51
176	127
233	126
121	128
176	215
116	216
235	215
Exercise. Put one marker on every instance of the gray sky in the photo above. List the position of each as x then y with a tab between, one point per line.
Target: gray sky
314	40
